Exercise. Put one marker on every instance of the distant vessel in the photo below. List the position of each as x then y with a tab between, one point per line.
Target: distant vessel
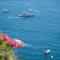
46	52
5	11
25	14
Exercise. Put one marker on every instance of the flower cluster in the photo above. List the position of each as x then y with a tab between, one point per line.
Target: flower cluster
8	41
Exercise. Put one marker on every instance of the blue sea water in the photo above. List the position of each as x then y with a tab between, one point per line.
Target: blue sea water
40	32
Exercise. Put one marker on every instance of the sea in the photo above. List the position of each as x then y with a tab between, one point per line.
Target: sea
39	33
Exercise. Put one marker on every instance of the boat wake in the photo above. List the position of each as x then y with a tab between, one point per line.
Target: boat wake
12	17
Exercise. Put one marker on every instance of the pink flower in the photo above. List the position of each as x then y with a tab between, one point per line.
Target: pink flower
18	43
8	39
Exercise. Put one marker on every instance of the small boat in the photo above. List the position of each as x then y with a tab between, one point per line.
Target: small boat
5	11
25	14
46	52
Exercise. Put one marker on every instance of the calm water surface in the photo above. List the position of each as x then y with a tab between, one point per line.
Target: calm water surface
41	31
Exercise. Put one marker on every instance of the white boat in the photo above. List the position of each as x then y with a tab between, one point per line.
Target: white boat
46	52
25	14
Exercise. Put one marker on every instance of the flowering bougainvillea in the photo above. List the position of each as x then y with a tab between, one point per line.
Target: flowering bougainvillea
6	45
8	41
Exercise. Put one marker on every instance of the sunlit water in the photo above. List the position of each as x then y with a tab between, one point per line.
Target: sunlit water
39	32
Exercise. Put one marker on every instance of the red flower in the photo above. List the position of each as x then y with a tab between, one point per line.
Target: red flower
8	39
18	44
